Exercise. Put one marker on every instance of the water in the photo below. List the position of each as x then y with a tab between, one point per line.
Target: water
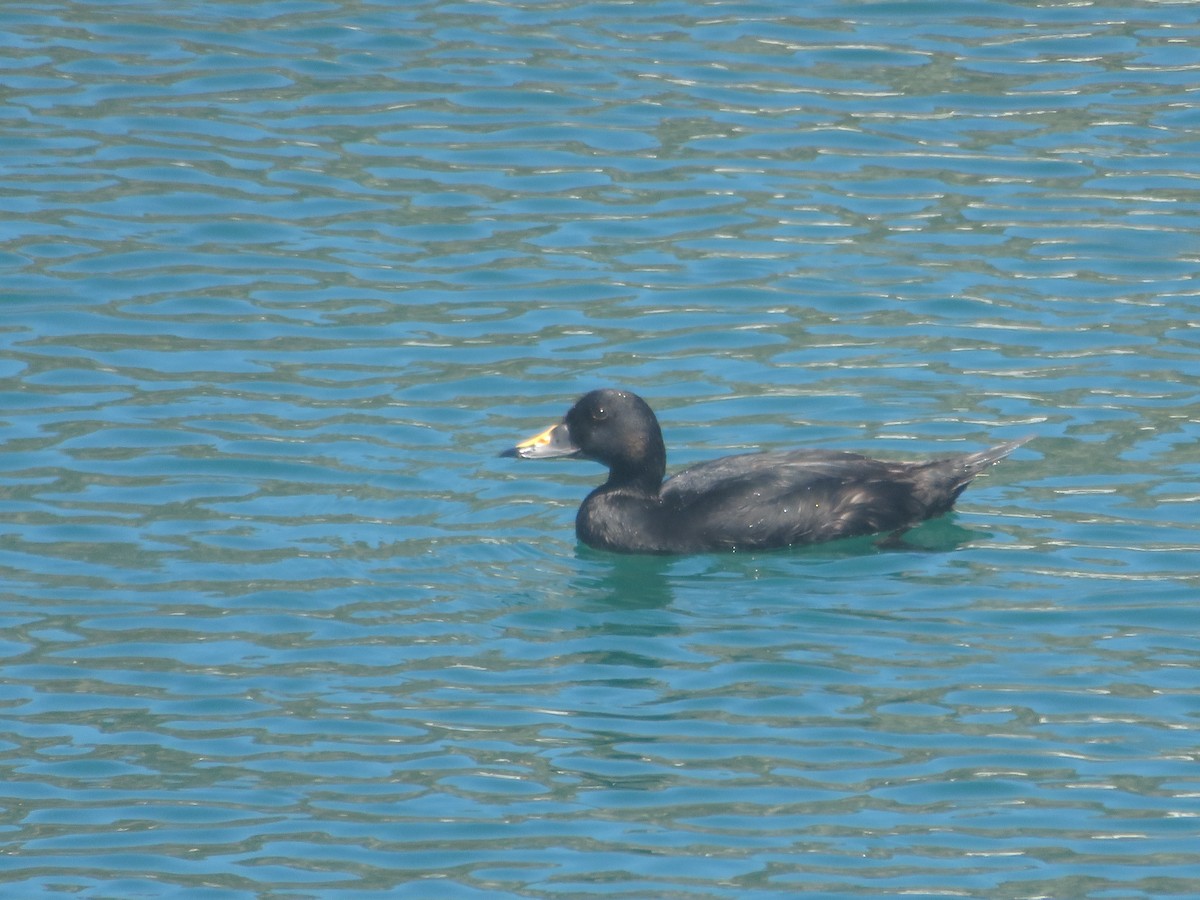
280	280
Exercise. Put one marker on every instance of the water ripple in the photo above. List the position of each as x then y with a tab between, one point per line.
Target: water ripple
279	281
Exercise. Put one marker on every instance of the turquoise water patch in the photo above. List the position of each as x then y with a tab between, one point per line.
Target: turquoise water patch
281	280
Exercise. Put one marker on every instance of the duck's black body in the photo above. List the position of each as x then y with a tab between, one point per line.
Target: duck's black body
757	501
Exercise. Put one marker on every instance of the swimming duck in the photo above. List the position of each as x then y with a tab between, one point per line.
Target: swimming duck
755	501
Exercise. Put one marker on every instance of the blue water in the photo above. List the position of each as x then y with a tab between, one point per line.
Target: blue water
277	282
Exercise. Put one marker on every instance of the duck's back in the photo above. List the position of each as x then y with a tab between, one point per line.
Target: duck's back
769	500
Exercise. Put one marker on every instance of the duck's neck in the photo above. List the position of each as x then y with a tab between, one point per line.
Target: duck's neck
633	481
642	473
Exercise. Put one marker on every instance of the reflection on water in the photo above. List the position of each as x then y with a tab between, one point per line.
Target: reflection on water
280	279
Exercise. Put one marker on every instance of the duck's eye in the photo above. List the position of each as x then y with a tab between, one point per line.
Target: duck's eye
599	414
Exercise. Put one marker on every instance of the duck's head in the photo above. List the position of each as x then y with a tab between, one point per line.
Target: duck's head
613	427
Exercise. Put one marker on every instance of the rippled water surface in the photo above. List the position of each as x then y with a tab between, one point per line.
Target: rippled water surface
280	279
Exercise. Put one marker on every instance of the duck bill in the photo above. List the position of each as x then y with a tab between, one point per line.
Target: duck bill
554	442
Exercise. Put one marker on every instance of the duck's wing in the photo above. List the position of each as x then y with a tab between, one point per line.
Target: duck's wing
778	499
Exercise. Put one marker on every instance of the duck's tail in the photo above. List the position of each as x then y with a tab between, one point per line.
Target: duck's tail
944	479
977	462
